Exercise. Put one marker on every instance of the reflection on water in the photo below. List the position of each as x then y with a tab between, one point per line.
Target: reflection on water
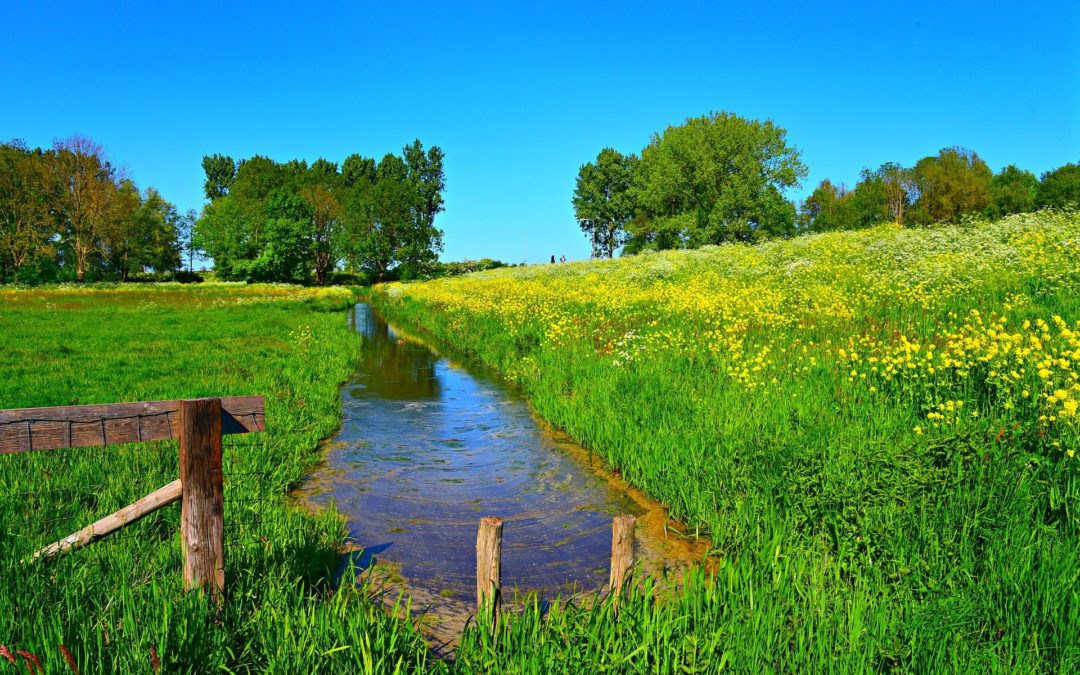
389	369
428	446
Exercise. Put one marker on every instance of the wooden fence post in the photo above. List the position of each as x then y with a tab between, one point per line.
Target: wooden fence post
202	507
489	568
622	554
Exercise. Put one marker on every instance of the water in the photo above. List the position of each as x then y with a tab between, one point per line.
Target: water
429	444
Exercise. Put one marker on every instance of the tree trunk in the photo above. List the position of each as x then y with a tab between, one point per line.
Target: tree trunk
80	262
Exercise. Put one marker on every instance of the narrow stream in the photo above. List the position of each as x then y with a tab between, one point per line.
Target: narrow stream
429	444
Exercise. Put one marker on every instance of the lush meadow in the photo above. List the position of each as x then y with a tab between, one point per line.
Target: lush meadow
118	606
876	429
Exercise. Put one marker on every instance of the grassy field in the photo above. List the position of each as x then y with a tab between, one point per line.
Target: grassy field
877	430
118	605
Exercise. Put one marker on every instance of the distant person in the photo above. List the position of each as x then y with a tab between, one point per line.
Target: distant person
562	258
552	258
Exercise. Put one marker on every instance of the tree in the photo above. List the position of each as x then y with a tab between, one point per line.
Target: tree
716	178
898	187
158	232
232	228
381	216
603	200
66	212
357	170
325	210
186	237
829	207
121	238
422	242
1060	188
953	183
881	195
220	173
26	225
296	222
1012	190
230	232
85	186
285	254
390	212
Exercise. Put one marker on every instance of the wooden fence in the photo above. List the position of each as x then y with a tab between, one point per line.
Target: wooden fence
197	425
489	564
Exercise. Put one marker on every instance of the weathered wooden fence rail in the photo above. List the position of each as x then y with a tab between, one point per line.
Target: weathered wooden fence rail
197	425
79	426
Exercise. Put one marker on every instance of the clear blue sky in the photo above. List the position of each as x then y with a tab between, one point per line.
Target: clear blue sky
519	95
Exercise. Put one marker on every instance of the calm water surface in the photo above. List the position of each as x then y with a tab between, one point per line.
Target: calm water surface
430	444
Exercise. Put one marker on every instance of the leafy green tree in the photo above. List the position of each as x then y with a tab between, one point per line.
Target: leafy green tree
426	179
713	179
285	253
120	238
829	207
66	212
881	195
381	219
869	204
322	171
390	213
85	186
603	200
898	186
1012	190
358	170
245	228
1060	188
186	238
220	173
26	225
143	233
257	177
325	210
954	182
230	232
159	229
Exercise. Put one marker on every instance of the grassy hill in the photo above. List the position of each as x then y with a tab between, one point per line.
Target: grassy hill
876	429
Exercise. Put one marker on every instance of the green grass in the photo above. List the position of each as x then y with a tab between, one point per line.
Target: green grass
855	532
110	602
846	540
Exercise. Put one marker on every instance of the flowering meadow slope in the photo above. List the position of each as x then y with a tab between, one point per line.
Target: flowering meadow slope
876	429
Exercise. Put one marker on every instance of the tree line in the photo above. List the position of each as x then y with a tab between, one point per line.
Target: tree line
295	222
721	177
944	187
67	213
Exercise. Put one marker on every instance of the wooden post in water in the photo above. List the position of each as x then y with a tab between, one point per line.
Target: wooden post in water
489	568
622	555
202	501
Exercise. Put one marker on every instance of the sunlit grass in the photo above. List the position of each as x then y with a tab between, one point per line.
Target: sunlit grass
112	601
877	430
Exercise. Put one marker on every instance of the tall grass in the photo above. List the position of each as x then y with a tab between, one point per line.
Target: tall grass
806	404
118	601
876	429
